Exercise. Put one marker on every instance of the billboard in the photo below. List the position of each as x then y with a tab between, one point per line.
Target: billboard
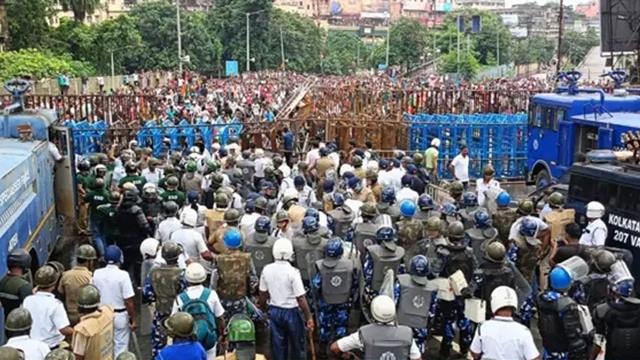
620	25
231	68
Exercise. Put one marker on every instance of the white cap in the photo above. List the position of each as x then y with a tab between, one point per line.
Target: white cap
503	296
282	249
149	188
383	309
190	217
149	247
435	142
195	149
595	210
259	152
195	273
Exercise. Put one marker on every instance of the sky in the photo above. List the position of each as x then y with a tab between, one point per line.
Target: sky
567	2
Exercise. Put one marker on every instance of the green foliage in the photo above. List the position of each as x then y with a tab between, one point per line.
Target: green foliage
576	45
121	36
27	20
35	64
408	42
73	37
535	49
80	8
469	65
342	53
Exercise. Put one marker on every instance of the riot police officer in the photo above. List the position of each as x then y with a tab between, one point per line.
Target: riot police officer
341	214
387	204
426	209
309	246
414	299
181	328
492	273
468	208
108	218
92	336
410	230
481	234
559	320
172	193
18	326
595	234
335	285
162	286
151	204
455	191
260	243
381	339
14	288
596	287
504	217
364	233
433	238
132	219
132	177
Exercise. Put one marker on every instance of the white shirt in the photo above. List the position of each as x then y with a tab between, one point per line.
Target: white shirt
114	285
384	178
395	175
284	284
312	156
287	183
259	166
152	177
514	232
306	197
406	193
353	342
166	228
501	338
54	152
335	157
191	240
461	167
194	292
354	205
48	316
482	187
595	234
32	349
285	169
248	222
117	175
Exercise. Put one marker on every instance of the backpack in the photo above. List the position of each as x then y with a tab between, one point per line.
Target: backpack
204	320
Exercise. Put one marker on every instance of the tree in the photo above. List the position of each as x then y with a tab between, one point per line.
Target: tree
80	8
344	52
74	38
576	45
408	43
27	20
534	49
120	36
469	65
36	64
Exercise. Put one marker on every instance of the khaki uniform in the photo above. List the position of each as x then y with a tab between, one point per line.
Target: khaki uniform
322	165
215	220
360	172
557	219
376	189
233	271
93	335
70	282
366	195
296	214
216	240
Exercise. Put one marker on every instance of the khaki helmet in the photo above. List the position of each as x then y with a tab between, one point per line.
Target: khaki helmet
172	182
232	215
18	320
302	166
261	203
222	200
525	207
488	170
86	252
126	355
59	354
88	297
289	197
180	325
495	252
372	174
9	353
456	188
369	209
434	224
602	260
418	158
171	251
282	215
356	161
556	200
46	277
455	231
56	265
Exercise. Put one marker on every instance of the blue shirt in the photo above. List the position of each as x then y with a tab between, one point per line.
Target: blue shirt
288	140
183	350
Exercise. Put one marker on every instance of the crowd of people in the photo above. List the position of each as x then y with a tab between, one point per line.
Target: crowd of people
219	242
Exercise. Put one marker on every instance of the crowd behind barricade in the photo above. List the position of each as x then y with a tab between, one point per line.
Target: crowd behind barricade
227	243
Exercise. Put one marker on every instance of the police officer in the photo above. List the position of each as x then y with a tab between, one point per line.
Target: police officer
504	217
216	240
18	325
559	320
170	224
381	339
215	217
481	234
190	239
108	218
455	256
133	222
595	234
132	177
9	353
341	214
116	290
172	193
364	233
618	320
387	204
455	191
433	239
151	204
410	230
309	246
596	287
163	284
379	257
181	328
191	180
414	299
242	340
558	217
72	280
92	336
335	285
234	278
260	244
98	195
450	214
373	184
492	273
50	321
426	209
282	284
468	208
14	288
247	166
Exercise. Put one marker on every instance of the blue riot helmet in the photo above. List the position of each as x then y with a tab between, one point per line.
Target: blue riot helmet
337	199
529	229
249	206
481	218
469	199
407	208
310	224
559	279
503	199
425	202
232	239
388	195
263	225
419	269
355	183
347	175
328	185
386	236
113	255
324	151
406	180
383	164
313	213
621	281
333	249
568	271
450	209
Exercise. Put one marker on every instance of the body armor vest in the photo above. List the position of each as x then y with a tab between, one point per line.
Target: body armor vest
364	235
527	258
386	342
479	239
414	303
551	325
308	249
494	275
343	217
97	329
336	281
166	285
261	252
233	270
502	220
383	259
623	331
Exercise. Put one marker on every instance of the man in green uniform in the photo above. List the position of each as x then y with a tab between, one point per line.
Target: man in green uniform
108	219
132	177
172	193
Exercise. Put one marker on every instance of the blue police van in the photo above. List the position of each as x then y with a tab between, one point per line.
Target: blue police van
573	121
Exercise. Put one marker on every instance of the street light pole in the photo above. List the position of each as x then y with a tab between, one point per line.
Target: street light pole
248	61
179	37
386	58
282	47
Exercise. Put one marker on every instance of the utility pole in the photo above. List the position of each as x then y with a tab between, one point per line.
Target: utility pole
386	58
281	47
498	49
179	37
358	56
560	22
248	60
458	61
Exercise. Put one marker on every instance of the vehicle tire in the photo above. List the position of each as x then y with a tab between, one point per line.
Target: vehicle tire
542	179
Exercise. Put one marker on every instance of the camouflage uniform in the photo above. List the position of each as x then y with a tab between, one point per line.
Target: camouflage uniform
502	220
234	280
410	232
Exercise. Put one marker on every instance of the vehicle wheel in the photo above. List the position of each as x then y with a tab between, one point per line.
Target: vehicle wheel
542	179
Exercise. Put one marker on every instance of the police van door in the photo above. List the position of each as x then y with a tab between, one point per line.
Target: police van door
64	178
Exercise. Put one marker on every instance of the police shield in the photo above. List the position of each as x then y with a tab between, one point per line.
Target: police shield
576	267
388	284
522	286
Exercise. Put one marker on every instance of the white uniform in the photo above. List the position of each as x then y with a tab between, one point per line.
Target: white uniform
384	178
32	349
115	287
482	188
166	228
283	283
213	301
335	157
152	177
406	193
595	234
501	338
285	169
49	317
395	177
514	232
192	242
248	222
306	197
354	342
